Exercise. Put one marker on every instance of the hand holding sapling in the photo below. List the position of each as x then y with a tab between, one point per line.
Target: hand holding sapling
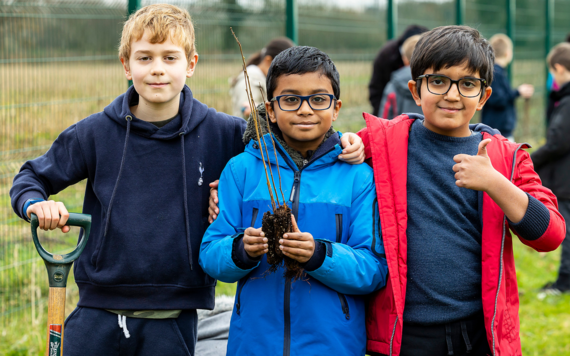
297	245
254	242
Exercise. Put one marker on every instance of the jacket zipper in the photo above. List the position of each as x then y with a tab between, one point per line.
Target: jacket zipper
344	305
238	304
393	333
254	213
501	258
338	228
294	199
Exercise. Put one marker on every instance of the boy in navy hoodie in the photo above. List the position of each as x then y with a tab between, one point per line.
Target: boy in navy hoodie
337	242
144	157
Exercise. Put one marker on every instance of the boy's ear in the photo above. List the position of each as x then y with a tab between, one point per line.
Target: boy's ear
126	68
270	112
337	106
486	95
192	65
413	86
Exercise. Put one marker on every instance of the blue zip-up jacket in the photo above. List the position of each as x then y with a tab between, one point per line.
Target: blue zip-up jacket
499	111
147	192
324	313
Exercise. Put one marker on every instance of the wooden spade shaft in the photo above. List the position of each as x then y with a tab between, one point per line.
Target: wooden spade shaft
56	316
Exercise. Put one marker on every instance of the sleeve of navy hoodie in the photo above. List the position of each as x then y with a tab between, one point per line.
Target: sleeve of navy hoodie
61	166
216	249
359	267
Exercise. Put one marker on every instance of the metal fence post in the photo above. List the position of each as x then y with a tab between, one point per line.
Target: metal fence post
292	21
511	11
132	7
392	19
459	12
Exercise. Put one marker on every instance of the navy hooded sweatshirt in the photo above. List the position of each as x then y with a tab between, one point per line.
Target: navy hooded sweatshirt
147	192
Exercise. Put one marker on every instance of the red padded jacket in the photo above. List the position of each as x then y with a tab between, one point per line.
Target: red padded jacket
386	145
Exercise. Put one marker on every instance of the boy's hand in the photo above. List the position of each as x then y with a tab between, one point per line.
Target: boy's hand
213	202
297	245
475	172
51	215
254	242
353	149
526	90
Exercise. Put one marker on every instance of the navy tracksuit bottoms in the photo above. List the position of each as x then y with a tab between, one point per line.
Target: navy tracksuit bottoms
96	332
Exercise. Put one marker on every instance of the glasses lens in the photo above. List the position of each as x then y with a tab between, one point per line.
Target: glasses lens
438	84
469	87
320	102
289	102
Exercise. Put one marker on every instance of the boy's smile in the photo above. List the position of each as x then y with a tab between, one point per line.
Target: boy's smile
158	72
305	128
449	114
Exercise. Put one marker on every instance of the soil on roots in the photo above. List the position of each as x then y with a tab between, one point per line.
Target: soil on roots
275	226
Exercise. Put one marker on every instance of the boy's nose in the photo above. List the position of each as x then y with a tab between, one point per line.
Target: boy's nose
157	68
305	108
453	92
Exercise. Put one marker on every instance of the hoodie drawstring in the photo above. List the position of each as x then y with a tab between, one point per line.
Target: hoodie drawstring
186	201
129	119
123	325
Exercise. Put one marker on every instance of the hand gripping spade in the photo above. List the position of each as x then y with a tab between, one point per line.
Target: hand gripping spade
58	267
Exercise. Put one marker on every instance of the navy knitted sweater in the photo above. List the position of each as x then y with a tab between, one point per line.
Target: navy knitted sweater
444	230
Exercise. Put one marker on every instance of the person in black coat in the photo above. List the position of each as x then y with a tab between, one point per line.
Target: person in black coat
552	161
388	60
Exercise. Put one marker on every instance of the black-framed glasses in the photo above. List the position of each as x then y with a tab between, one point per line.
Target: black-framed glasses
468	87
291	102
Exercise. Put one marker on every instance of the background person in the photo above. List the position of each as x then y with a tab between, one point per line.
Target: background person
500	112
552	161
397	98
388	60
257	66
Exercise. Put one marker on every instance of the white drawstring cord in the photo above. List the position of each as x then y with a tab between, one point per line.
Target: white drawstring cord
123	325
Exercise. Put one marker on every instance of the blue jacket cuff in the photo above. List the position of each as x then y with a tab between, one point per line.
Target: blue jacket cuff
534	222
27	205
240	257
318	257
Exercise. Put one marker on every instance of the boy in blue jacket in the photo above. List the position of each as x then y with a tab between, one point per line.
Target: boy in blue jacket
338	240
147	159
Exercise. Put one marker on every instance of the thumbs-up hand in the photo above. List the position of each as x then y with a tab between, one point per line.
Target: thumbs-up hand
475	172
298	245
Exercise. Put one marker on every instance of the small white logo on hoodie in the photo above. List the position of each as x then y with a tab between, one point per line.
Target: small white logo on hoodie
201	169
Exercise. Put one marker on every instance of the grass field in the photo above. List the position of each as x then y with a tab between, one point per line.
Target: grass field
39	101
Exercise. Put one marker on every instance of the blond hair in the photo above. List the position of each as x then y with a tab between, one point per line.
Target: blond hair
162	21
560	54
501	44
409	45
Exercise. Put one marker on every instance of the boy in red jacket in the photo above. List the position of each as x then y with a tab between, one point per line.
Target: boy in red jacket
448	195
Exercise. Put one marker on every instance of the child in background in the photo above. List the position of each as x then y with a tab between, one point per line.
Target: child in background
257	67
147	159
397	98
449	193
337	240
552	161
499	111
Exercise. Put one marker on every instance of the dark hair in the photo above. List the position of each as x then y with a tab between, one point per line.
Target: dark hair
449	46
272	49
301	60
410	31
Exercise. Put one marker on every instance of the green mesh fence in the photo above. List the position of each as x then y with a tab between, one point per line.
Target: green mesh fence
58	64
